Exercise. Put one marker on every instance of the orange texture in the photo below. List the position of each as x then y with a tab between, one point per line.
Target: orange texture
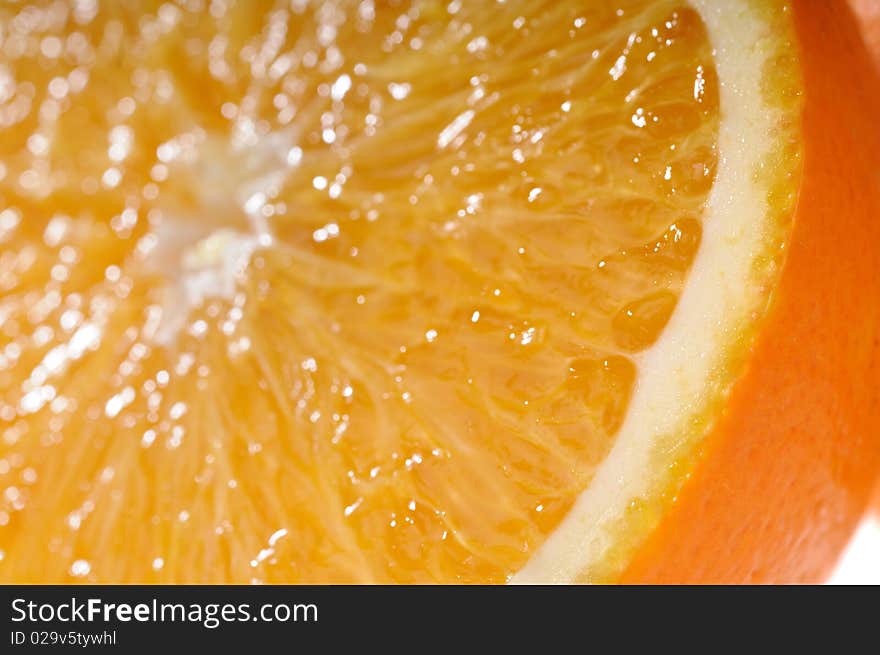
787	473
868	15
446	273
287	299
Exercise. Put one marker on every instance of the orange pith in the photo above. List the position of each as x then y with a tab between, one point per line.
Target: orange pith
336	294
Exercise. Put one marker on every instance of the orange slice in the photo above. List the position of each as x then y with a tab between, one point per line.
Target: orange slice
432	292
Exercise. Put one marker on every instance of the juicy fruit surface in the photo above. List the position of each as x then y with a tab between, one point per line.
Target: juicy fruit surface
331	292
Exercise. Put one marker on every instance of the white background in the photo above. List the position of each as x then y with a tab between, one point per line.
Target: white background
861	561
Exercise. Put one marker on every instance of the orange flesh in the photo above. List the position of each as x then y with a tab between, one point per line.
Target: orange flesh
446	230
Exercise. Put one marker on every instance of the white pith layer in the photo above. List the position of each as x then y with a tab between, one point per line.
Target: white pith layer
676	373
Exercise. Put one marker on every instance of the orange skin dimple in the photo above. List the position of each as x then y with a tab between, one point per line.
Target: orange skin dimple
787	473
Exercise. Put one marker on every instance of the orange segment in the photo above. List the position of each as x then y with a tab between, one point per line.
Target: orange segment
339	293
